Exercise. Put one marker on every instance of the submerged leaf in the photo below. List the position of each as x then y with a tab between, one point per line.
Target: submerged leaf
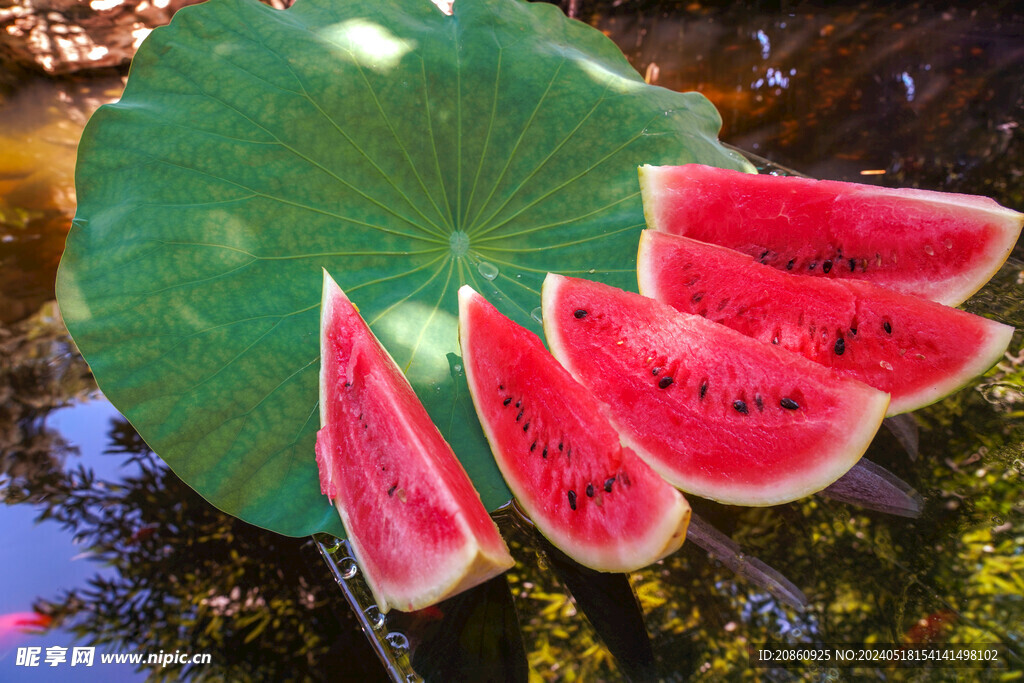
873	487
729	553
904	428
406	151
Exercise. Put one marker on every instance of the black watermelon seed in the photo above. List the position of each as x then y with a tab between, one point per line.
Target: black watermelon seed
759	402
697	297
526	426
533	446
826	266
763	254
887	327
348	384
840	346
740	406
789	404
853	331
544	453
792	262
655	371
703	389
501	387
664	382
506	401
519	404
608	484
391	491
519	416
813	264
560	446
580	313
590	490
853	264
775	340
572	499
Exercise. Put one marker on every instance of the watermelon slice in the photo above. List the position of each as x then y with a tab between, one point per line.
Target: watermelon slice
916	350
415	522
936	245
592	498
716	413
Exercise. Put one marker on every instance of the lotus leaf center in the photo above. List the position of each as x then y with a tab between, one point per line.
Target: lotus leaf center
459	242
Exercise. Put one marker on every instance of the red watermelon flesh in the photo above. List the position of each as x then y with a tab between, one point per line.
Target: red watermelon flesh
716	413
916	350
415	522
936	245
591	497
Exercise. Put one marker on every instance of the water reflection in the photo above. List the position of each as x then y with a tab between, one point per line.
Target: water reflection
41	124
930	96
924	97
186	577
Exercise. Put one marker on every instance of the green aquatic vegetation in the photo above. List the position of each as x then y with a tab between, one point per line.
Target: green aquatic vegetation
406	151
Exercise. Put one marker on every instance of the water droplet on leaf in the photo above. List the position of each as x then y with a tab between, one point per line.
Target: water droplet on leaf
488	270
397	641
374	617
348	568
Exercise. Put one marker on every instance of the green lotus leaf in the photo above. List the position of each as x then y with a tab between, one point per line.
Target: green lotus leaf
404	150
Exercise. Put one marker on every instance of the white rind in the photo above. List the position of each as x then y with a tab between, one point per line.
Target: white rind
650	187
658	541
471	565
998	341
838	459
955	289
998	337
548	293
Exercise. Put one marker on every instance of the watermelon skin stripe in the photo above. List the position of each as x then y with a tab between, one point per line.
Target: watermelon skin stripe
917	350
416	524
549	436
716	441
937	245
